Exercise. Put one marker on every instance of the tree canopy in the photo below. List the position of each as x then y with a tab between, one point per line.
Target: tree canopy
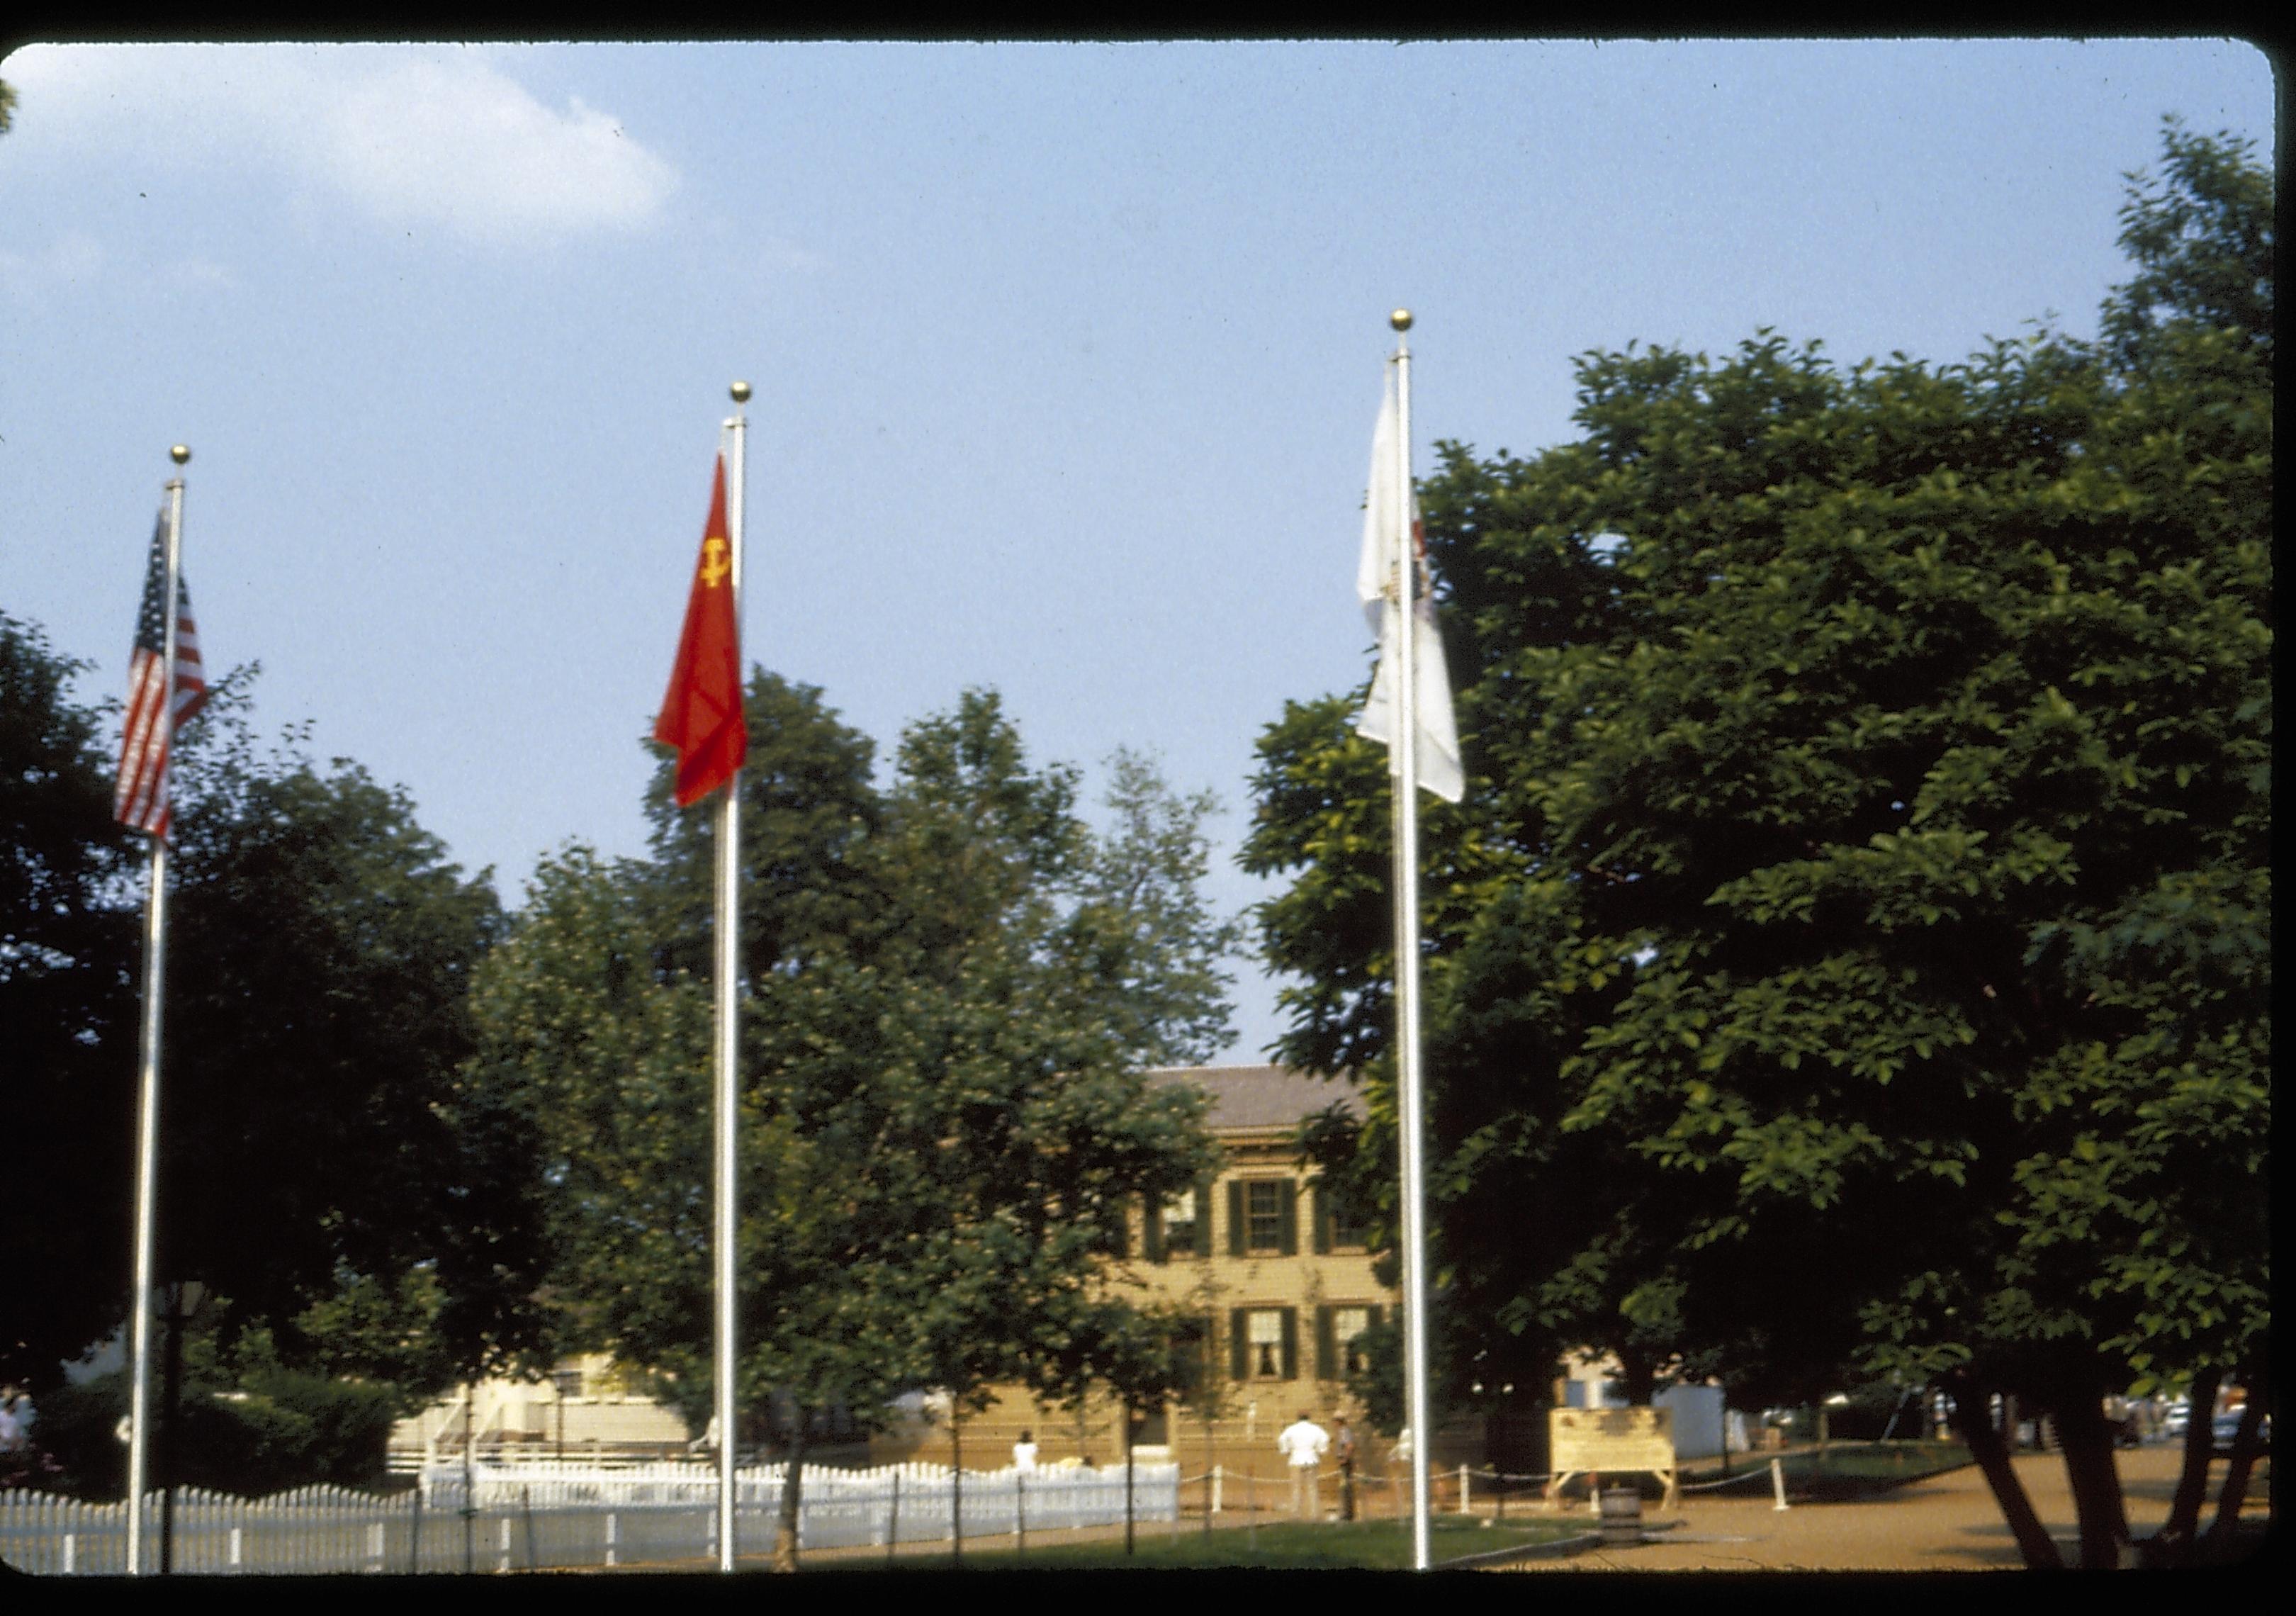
1854	946
321	948
311	1169
65	941
954	985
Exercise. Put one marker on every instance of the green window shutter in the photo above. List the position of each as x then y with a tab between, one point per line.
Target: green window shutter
1289	1202
1322	1219
1291	1343
1377	1315
1327	1346
1151	1229
1238	1222
1204	1216
1239	1345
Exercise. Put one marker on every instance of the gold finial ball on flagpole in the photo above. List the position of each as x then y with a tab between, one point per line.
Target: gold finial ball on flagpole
180	454
740	391
1400	319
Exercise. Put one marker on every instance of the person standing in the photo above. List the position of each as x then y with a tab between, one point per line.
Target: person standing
1343	1446
1303	1444
1024	1454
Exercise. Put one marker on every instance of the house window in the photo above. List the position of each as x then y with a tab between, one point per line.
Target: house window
1181	1224
1339	1339
1260	1218
1264	1344
1264	1213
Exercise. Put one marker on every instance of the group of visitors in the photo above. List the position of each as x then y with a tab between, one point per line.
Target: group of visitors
1303	1444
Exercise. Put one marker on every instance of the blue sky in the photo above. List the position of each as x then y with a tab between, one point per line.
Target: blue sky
1066	356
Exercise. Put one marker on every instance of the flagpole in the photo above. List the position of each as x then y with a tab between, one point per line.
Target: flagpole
1403	750
147	1085
728	1080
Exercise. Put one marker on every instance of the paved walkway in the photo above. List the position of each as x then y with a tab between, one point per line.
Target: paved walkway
1948	1522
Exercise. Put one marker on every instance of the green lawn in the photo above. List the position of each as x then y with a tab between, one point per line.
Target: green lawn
1289	1545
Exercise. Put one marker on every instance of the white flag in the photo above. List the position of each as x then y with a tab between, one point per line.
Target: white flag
1390	512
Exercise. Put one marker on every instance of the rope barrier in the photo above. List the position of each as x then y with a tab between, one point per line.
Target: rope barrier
1744	1475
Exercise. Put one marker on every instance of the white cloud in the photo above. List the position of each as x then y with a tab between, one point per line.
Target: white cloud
73	258
458	144
410	135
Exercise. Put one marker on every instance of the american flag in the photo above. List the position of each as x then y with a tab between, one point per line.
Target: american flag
140	803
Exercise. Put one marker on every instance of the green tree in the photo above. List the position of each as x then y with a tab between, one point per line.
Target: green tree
943	1116
244	1423
318	955
66	935
1141	923
1855	946
808	809
321	947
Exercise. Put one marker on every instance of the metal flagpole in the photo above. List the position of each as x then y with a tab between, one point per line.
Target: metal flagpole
1403	751
147	1087
729	965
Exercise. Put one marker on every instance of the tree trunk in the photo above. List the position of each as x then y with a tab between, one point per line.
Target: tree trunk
1637	1378
2172	1544
2085	1439
1991	1453
792	1496
2223	1532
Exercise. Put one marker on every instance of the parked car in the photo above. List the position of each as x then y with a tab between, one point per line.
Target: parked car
2226	1426
2179	1416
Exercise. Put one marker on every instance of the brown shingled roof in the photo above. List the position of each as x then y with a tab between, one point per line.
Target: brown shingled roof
1264	1097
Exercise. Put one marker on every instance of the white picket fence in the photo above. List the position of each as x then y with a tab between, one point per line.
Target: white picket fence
540	1514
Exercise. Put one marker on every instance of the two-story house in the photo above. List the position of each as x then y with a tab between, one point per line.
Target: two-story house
1276	1279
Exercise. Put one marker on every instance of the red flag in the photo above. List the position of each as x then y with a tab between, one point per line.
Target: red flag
147	738
702	715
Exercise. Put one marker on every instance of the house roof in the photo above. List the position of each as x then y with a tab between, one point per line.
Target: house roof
1264	1097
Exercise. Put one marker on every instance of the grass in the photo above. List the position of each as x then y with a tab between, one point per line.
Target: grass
1277	1545
1847	1471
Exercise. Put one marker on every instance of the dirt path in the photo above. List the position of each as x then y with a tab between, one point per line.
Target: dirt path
1949	1523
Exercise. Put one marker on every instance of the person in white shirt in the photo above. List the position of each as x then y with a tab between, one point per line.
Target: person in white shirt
1024	1454
1303	1443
